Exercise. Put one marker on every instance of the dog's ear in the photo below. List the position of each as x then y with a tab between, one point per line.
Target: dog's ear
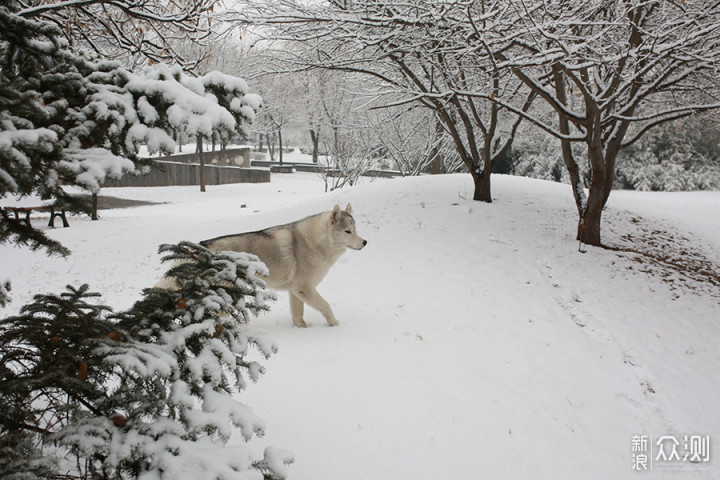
348	209
335	216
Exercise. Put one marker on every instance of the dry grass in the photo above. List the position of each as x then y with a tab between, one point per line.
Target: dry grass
670	256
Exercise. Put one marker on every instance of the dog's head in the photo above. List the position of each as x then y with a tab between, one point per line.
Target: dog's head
342	225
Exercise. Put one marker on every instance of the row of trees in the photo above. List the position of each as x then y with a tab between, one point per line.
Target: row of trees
607	71
332	115
314	109
597	75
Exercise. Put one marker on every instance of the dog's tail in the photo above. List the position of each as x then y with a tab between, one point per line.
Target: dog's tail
168	282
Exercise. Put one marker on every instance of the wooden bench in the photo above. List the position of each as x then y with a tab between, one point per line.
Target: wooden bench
54	212
282	169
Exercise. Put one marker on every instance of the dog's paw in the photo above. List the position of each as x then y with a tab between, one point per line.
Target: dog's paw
301	323
333	322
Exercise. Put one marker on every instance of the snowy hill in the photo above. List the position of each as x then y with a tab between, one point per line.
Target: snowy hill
475	340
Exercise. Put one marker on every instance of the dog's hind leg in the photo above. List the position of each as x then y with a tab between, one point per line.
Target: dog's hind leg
297	308
312	297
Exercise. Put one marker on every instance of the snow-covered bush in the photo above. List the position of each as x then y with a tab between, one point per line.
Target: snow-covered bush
538	157
678	156
682	155
147	393
536	154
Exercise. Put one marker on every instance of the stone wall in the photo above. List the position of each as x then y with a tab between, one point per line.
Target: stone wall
168	173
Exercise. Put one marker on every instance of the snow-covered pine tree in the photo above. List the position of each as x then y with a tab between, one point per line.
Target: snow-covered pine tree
87	394
49	374
232	95
49	138
147	393
67	120
32	58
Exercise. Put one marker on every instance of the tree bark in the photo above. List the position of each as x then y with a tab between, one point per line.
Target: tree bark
202	162
601	182
281	144
589	227
94	215
437	160
315	137
482	191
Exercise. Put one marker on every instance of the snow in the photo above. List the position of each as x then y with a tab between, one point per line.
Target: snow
228	82
147	111
474	339
92	166
253	101
155	139
12	139
695	213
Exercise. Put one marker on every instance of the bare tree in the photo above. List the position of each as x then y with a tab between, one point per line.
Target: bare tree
412	52
275	115
313	85
611	71
414	140
136	31
349	136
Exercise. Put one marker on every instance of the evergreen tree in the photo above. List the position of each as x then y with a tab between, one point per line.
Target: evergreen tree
67	120
34	73
146	392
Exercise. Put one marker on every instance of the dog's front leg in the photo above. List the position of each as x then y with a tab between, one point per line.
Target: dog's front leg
313	298
297	308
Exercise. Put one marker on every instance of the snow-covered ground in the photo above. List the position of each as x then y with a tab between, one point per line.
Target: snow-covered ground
475	340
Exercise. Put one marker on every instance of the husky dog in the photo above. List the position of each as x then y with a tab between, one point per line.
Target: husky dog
299	255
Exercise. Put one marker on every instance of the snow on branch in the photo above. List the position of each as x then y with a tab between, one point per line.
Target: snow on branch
92	166
138	30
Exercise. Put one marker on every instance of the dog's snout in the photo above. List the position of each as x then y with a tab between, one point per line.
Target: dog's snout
364	242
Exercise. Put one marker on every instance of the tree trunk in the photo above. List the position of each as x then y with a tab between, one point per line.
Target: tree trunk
270	140
315	137
589	227
437	160
94	215
280	144
603	175
482	188
202	162
436	165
